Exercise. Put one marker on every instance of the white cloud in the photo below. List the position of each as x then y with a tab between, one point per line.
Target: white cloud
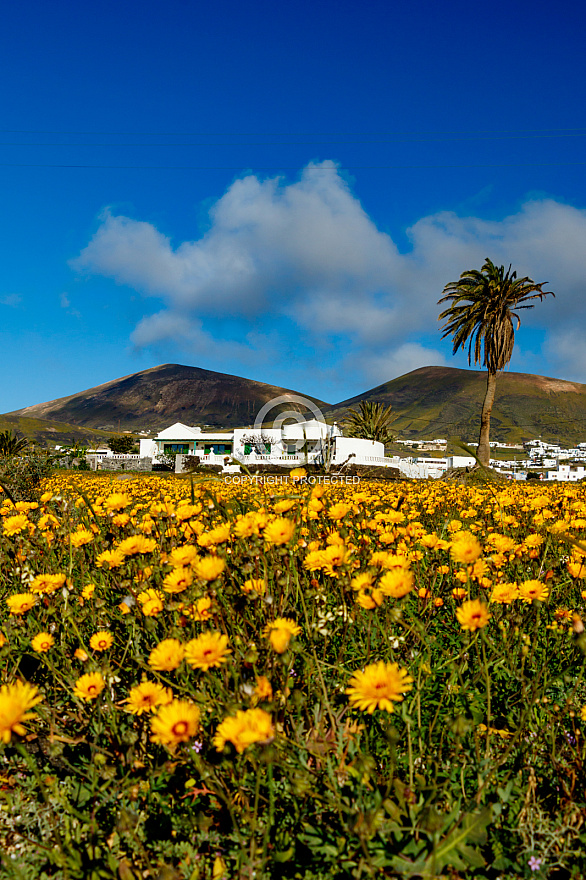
65	303
190	335
11	299
306	257
379	368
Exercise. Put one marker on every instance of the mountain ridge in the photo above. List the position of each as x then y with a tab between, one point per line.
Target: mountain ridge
427	402
447	401
158	396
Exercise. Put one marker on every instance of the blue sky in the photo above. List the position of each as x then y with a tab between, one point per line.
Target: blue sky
282	190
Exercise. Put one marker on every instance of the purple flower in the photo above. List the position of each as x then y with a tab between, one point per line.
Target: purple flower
535	863
197	746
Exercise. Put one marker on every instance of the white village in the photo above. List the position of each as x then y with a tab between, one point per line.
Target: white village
314	442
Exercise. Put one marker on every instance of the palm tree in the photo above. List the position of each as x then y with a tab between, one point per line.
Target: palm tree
10	444
480	315
371	422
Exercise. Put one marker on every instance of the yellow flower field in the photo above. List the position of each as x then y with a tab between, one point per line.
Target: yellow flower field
292	680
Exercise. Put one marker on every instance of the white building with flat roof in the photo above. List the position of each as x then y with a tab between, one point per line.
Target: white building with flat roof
291	445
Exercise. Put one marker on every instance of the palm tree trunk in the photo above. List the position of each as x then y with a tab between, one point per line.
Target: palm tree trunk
483	451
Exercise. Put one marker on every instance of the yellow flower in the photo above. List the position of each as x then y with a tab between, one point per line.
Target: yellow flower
209	568
577	569
482	729
136	544
429	541
47	583
459	593
42	642
263	690
88	591
110	558
117	501
338	511
167	655
180	557
279	531
202	610
384	559
207	650
280	632
3	639
13	525
89	686
314	560
362	581
15	702
370	598
285	505
314	508
21	602
473	615
101	641
146	696
254	585
247	727
121	519
81	537
187	511
379	686
151	602
396	583
47	521
504	594
533	541
219	869
246	526
502	543
176	722
332	558
297	474
177	580
465	548
219	535
82	655
534	589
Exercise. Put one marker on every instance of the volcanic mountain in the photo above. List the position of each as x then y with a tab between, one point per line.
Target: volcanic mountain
156	398
446	402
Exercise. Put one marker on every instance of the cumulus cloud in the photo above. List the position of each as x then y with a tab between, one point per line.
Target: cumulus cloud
305	257
398	361
167	326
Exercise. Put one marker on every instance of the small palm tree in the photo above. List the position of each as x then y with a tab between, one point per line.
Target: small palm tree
10	444
480	315
371	421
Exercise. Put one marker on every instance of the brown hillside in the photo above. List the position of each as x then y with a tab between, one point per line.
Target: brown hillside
446	402
154	399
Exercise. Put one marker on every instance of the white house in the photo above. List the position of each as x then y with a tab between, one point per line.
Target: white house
291	445
567	474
